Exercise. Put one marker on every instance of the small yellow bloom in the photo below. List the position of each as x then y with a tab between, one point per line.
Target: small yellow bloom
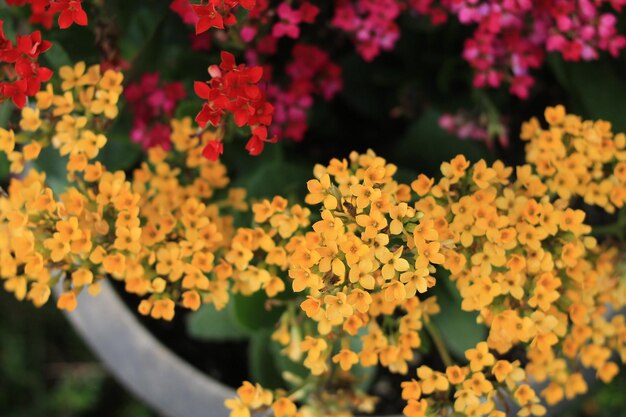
30	120
346	359
70	76
67	301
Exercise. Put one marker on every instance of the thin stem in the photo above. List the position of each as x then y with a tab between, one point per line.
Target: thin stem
435	335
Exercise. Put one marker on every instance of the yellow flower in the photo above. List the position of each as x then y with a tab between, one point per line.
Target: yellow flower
422	185
39	293
320	191
284	407
393	262
416	408
63	105
372	222
555	115
45	97
112	82
163	309
91	77
71	75
456	374
431	380
82	277
337	307
479	357
114	264
191	300
524	394
58	246
428	253
30	120
411	390
67	301
7	141
237	407
31	151
169	261
129	239
105	102
455	169
239	256
346	358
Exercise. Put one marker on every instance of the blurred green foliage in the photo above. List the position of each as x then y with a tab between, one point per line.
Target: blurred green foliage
46	370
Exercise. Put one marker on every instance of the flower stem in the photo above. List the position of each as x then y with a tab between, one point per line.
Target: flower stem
435	335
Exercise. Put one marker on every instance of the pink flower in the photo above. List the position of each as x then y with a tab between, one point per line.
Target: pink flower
152	104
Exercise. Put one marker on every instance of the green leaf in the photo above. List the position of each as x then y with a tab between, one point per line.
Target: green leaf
50	162
140	29
6	109
271	174
262	359
119	153
457	327
364	375
251	314
57	56
284	364
4	167
426	146
188	108
213	325
600	90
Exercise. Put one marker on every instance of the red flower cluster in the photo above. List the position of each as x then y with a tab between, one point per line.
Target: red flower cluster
218	13
20	74
153	104
310	73
234	89
43	12
510	39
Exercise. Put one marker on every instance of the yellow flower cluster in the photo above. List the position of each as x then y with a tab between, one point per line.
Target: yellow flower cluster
356	273
578	158
45	236
72	121
157	231
354	270
521	258
184	227
538	281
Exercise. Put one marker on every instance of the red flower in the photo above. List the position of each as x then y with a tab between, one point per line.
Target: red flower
208	18
15	91
247	4
213	150
257	142
23	73
233	89
32	45
71	11
308	12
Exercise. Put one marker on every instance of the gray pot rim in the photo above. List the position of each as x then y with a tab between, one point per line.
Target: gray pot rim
137	359
156	375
